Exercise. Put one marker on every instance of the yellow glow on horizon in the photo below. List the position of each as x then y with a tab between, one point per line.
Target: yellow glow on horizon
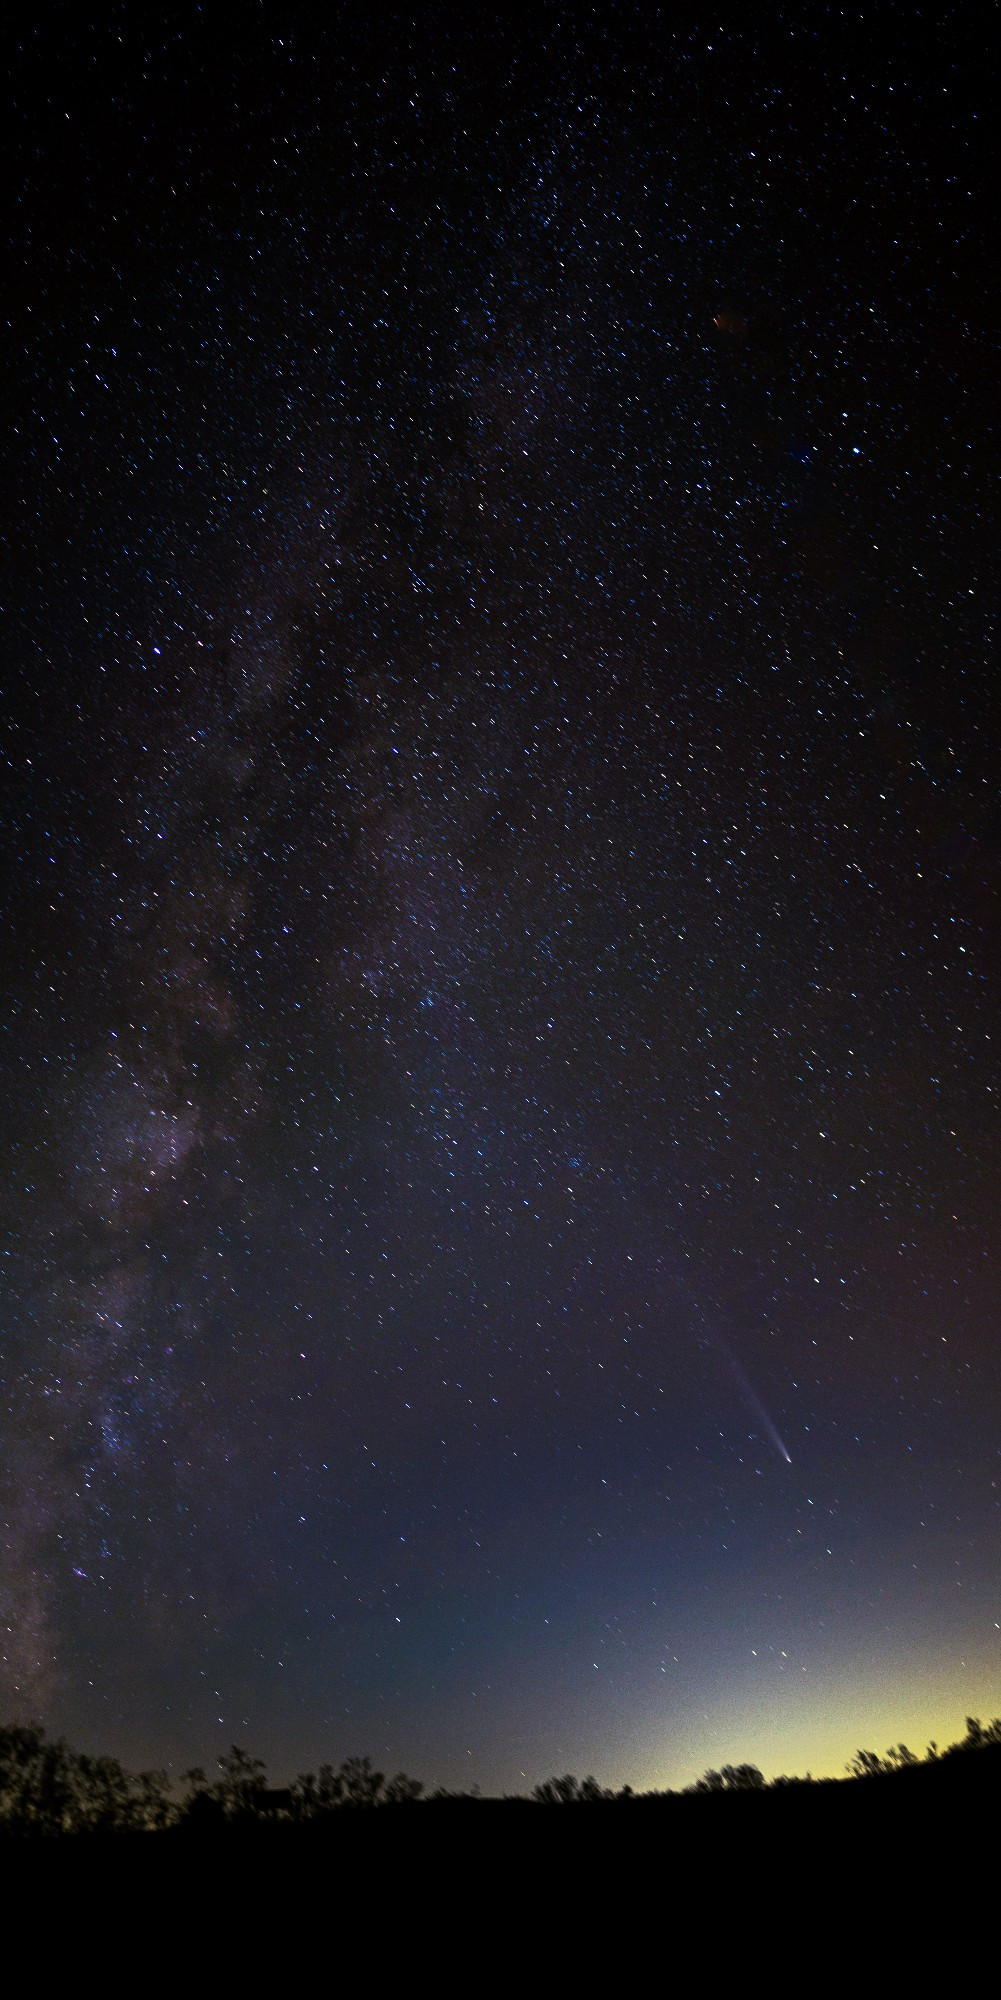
818	1726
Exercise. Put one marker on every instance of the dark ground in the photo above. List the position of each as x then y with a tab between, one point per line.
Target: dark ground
881	1878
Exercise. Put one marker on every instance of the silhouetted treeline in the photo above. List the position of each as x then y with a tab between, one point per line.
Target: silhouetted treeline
47	1789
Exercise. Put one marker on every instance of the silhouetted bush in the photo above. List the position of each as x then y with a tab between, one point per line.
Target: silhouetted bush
732	1778
569	1791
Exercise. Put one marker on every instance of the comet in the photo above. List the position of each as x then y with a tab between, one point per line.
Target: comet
752	1399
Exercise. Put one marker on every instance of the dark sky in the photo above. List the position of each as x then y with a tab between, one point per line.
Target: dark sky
502	849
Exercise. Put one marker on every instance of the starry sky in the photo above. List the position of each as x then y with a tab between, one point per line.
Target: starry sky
501	865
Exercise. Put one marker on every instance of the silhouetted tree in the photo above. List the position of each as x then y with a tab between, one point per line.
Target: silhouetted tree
155	1806
103	1799
402	1790
354	1784
47	1788
558	1791
979	1734
362	1785
242	1778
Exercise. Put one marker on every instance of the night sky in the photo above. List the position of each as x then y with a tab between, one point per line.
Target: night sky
502	856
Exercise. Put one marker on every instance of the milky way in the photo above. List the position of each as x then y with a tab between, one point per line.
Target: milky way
503	849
